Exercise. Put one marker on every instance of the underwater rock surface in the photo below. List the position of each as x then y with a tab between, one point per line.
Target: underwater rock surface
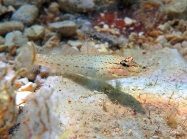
151	105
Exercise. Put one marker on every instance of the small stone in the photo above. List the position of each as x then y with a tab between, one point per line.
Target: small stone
34	32
32	75
75	44
22	81
6	27
44	71
184	44
14	40
15	37
161	39
102	48
130	132
66	28
15	3
169	36
128	21
18	3
53	41
105	26
28	87
76	5
39	80
177	46
21	96
2	40
165	27
3	57
176	9
54	8
167	45
26	14
176	39
157	47
3	47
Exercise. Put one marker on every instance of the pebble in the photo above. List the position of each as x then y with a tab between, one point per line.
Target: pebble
21	97
34	32
177	46
39	80
65	28
9	26
26	14
2	66
75	44
128	21
82	6
15	37
21	82
15	3
14	40
32	76
165	27
3	10
2	40
28	87
184	44
113	31
130	132
44	71
176	39
53	41
161	39
54	8
3	47
3	57
176	9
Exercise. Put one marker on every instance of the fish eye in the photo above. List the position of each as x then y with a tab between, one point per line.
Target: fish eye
124	64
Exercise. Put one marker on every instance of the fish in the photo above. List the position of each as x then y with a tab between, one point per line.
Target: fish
98	66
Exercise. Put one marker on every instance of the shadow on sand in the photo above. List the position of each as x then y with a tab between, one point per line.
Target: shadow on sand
114	94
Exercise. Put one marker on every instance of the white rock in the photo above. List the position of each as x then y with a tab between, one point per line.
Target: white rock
15	37
3	57
15	3
176	9
28	87
53	41
44	71
128	21
34	32
2	40
39	80
3	47
9	26
76	6
26	14
23	80
184	44
161	39
18	3
165	27
65	28
21	97
75	44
